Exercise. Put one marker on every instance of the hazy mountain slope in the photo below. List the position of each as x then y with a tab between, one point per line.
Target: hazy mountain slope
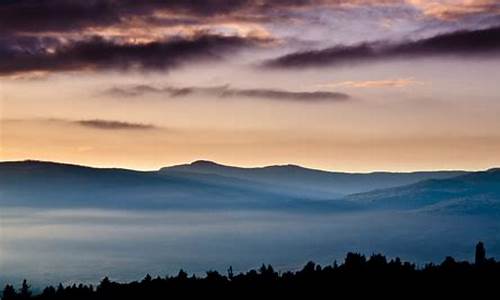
253	184
33	183
41	183
205	185
477	192
315	183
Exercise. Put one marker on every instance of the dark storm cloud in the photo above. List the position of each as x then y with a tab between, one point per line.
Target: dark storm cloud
228	92
55	15
475	43
113	125
62	15
43	54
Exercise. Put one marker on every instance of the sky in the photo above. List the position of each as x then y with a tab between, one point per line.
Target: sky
345	85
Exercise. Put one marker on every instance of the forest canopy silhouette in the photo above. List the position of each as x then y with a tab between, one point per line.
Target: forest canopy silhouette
356	276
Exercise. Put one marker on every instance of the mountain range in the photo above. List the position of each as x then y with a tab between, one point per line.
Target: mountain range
311	182
473	193
208	185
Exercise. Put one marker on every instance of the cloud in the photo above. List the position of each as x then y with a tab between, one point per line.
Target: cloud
90	123
61	35
36	16
154	20
228	92
27	76
31	16
113	125
97	53
385	83
455	9
475	43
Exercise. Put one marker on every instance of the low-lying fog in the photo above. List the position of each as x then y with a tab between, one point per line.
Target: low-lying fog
83	245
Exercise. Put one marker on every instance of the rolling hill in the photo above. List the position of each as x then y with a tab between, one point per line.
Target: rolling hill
473	193
39	184
207	185
311	182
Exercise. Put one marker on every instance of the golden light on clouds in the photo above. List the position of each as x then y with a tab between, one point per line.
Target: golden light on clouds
451	9
384	83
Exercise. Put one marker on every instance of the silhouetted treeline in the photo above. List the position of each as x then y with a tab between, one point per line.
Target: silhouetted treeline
373	276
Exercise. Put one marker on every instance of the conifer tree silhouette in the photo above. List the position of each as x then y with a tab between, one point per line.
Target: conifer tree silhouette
9	292
358	274
480	257
25	291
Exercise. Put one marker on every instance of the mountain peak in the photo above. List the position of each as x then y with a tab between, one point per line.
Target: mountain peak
204	163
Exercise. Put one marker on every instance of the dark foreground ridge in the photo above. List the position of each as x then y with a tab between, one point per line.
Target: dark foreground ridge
357	276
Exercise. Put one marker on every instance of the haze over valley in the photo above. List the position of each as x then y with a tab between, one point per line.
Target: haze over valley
61	221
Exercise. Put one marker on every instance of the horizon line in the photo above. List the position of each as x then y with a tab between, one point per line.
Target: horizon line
100	166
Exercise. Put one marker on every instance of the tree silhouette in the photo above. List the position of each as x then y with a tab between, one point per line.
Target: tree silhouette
25	291
480	257
49	292
357	276
354	261
182	275
9	292
147	279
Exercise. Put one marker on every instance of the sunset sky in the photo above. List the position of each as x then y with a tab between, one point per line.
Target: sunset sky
346	85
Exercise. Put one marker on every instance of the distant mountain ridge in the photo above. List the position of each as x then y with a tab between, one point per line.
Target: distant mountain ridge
208	185
473	193
37	183
323	184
